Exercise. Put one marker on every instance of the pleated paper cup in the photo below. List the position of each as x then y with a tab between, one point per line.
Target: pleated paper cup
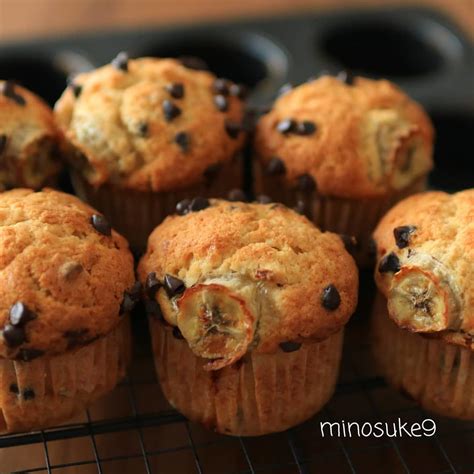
352	217
438	375
50	390
263	393
135	214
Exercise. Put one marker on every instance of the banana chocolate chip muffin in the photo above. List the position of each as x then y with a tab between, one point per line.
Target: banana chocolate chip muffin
343	152
29	138
247	314
143	134
425	344
66	288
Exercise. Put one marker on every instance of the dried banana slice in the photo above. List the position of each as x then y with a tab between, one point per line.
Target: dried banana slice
423	298
216	322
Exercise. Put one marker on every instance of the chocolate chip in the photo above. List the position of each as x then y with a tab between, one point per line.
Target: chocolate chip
221	103
143	129
349	241
238	90
289	346
402	235
170	110
152	284
182	207
153	309
127	304
221	86
76	337
75	88
70	270
276	166
20	314
14	388
306	183
130	298
3	143
14	335
305	128
286	126
232	128
236	195
198	204
182	140
330	298
284	89
7	88
173	286
175	90
29	354
263	199
177	333
300	207
121	61
101	225
346	77
28	394
389	264
193	62
212	171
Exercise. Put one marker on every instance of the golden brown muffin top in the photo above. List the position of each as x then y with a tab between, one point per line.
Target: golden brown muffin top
237	277
150	124
357	140
28	139
426	264
63	274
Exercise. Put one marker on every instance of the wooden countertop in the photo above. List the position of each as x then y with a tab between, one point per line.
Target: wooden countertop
30	18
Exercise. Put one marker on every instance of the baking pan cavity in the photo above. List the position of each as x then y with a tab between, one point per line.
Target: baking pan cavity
390	47
249	59
454	144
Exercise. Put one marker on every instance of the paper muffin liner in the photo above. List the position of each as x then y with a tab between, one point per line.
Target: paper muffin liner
262	393
50	390
438	375
352	217
135	214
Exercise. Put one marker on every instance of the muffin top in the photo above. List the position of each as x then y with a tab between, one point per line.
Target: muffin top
63	274
426	264
359	139
150	124
254	277
28	139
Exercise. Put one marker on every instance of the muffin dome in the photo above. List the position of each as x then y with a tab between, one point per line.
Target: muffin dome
360	139
28	139
426	264
63	274
150	124
237	277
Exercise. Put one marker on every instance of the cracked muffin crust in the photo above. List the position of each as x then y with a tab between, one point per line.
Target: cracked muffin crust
362	139
237	278
65	276
425	249
29	139
150	124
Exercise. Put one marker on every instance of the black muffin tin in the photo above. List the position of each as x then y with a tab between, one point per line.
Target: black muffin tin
417	48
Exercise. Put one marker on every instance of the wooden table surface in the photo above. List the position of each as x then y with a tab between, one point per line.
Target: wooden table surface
29	18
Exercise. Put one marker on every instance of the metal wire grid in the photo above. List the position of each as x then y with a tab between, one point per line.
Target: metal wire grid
133	436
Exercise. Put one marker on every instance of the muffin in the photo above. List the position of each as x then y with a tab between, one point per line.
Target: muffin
343	152
29	138
247	314
66	287
424	317
143	134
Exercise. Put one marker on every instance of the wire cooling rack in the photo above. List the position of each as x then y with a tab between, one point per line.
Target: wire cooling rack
134	430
